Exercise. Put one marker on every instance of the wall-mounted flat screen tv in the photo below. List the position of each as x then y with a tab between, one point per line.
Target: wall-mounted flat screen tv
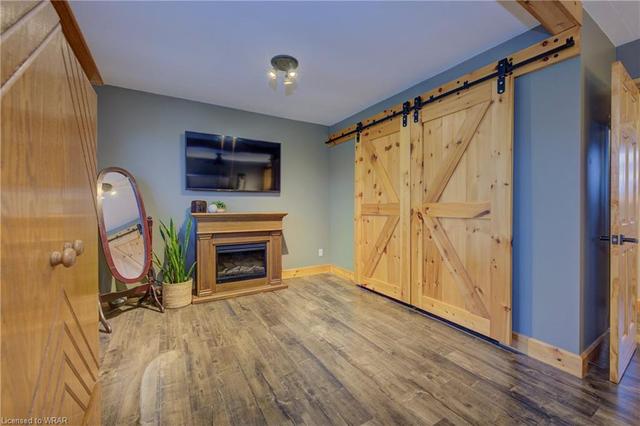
227	163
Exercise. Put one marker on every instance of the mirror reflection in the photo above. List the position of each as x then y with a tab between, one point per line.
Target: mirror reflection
123	224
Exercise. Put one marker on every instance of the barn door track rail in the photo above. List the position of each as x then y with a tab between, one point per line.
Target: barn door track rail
503	68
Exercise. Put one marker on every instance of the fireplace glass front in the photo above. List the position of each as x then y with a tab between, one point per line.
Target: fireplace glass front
237	262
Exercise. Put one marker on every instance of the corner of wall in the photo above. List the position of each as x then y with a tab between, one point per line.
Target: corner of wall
341	204
629	55
597	55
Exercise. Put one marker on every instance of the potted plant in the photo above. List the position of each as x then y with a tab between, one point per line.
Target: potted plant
177	280
221	207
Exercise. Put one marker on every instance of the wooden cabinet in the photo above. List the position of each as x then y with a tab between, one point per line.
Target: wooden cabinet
48	258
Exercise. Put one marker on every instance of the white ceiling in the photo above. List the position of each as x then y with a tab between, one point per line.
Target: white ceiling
620	20
352	54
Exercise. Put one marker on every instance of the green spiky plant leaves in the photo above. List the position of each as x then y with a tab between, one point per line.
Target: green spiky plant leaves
174	268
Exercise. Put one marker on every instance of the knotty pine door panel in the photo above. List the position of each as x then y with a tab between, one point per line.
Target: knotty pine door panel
625	130
382	209
461	174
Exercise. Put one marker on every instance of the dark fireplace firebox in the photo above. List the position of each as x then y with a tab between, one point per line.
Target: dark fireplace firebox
238	262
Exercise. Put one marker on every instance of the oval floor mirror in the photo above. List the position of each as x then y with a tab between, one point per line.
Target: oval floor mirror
125	232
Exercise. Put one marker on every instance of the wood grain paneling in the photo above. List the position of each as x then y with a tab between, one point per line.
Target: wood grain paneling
461	206
549	354
625	178
239	222
49	363
555	16
19	43
306	271
382	209
13	11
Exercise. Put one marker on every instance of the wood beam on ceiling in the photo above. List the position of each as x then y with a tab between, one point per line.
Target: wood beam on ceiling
528	52
555	16
76	40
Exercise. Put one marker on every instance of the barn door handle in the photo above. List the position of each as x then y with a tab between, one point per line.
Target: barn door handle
624	239
613	239
619	239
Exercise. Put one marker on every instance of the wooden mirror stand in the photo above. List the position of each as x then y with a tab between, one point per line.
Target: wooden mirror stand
125	233
146	291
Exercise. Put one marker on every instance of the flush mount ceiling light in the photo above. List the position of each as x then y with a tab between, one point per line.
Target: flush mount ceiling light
288	67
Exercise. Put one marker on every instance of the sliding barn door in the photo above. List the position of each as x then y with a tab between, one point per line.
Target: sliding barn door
382	209
625	115
461	173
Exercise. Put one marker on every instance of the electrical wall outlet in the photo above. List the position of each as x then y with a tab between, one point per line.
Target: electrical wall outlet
320	252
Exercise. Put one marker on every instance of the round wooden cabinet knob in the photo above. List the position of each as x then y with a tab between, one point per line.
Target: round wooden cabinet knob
56	258
68	257
76	245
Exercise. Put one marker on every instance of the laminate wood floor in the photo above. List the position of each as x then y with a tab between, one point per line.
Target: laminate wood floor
326	352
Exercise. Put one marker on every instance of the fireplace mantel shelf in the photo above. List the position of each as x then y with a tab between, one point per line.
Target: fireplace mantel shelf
221	223
239	215
220	229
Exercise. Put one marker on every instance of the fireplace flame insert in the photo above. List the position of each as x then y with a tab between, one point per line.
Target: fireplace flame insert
238	262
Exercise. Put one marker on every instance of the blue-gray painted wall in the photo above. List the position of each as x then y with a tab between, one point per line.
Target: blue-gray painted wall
144	133
629	54
505	49
546	205
341	196
597	55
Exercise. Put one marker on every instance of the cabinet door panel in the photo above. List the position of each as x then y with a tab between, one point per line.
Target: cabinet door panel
49	312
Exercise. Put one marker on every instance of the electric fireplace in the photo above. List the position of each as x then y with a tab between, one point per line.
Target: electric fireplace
238	254
238	262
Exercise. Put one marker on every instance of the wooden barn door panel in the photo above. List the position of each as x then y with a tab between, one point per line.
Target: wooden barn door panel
625	128
461	168
382	209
